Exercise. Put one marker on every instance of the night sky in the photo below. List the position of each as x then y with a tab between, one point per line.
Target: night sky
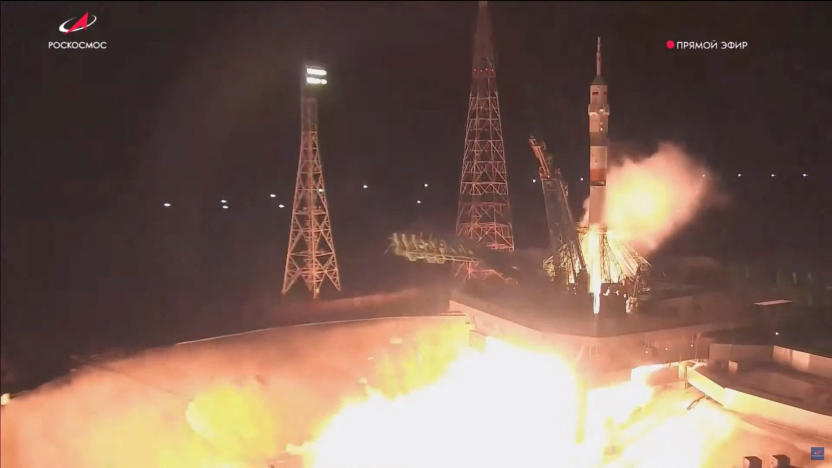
194	103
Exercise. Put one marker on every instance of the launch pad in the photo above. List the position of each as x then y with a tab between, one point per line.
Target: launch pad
668	330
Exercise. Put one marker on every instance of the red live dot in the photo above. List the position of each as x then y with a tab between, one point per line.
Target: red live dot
670	44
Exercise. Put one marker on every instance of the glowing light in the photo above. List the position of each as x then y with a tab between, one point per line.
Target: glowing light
426	184
281	205
621	261
777	333
315	81
418	202
534	181
739	174
225	207
582	179
315	71
649	199
320	190
166	205
529	427
773	175
230	419
4	399
223	201
805	175
364	186
531	419
271	195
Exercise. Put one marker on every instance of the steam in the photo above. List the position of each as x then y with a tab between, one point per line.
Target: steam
651	198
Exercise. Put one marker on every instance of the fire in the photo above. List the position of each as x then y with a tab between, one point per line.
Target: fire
608	260
501	407
230	419
504	406
647	201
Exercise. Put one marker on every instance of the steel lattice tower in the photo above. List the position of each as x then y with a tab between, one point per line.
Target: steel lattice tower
311	253
484	213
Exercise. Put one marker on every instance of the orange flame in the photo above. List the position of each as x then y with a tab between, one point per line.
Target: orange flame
505	406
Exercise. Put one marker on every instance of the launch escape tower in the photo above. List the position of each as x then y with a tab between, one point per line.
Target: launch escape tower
484	214
311	252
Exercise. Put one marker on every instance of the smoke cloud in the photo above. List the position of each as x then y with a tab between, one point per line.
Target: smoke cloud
237	401
651	198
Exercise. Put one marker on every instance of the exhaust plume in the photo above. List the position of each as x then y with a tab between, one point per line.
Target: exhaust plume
651	198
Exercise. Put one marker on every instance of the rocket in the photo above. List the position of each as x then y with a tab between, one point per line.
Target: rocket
599	116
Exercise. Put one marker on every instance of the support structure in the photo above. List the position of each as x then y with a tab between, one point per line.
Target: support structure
484	213
459	252
311	253
566	265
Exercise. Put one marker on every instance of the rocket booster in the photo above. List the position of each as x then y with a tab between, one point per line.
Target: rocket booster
599	115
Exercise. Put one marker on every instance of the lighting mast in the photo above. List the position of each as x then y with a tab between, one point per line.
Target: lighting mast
311	252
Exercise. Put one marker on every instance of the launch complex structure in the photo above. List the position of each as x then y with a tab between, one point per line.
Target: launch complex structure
582	259
586	258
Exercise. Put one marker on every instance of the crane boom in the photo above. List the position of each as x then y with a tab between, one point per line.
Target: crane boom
567	263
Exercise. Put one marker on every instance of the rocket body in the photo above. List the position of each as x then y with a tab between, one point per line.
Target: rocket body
599	115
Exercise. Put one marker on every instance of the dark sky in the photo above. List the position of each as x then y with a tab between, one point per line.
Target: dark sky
192	103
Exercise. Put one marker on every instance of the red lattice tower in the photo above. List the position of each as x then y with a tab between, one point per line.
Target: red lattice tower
311	253
484	213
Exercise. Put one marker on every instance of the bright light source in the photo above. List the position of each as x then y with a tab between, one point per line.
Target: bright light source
225	207
320	190
703	175
315	81
776	333
582	179
805	175
773	175
281	205
4	399
739	174
271	195
426	184
418	202
166	205
534	181
223	201
364	186
315	71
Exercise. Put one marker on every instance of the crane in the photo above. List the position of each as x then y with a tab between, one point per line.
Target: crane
566	266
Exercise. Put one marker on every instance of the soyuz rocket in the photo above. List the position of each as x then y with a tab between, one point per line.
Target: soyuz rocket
599	116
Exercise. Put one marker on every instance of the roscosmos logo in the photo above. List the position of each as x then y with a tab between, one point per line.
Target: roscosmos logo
82	23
